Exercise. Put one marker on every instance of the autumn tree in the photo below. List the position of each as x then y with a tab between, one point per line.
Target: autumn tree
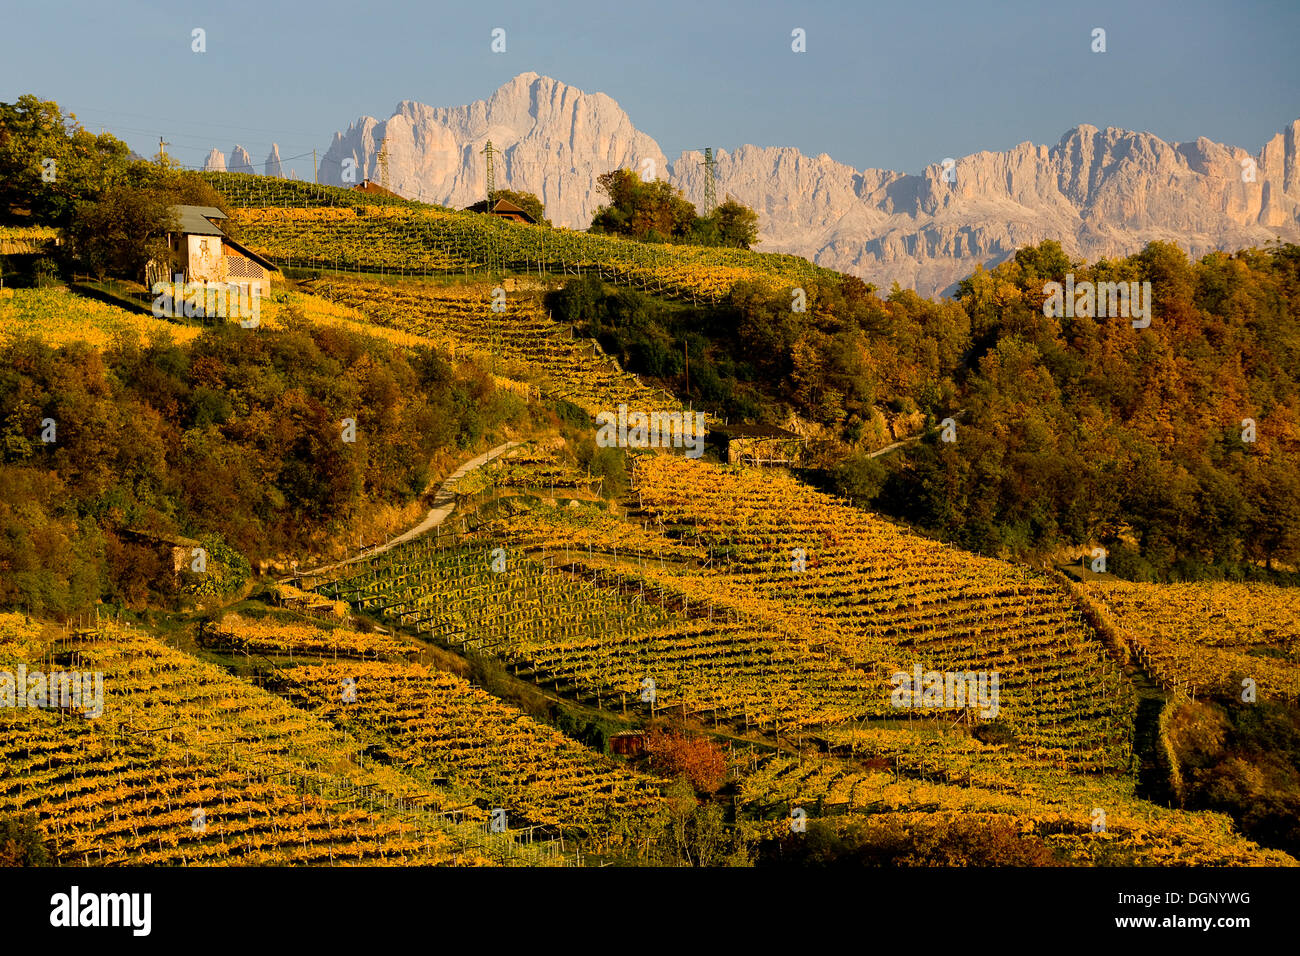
698	759
652	210
235	437
1170	444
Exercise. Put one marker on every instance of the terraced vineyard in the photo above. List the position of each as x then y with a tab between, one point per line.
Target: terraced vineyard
274	636
279	310
435	725
592	640
1061	812
250	189
522	342
933	605
1209	637
187	764
455	594
536	469
382	238
19	240
430	242
333	228
594	532
712	550
642	559
60	318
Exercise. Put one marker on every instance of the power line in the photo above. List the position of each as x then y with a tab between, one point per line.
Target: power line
514	163
199	143
172	120
205	146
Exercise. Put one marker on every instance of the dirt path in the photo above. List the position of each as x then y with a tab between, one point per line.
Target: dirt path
444	503
906	441
897	444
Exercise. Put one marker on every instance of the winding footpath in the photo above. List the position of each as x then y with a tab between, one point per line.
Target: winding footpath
898	444
906	441
444	503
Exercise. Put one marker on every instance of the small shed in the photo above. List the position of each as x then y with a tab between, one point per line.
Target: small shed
502	208
758	444
628	743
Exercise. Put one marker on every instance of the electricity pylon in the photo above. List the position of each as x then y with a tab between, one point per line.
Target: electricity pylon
710	179
383	162
489	152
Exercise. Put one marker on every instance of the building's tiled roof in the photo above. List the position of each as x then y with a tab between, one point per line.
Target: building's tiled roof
196	220
366	186
501	207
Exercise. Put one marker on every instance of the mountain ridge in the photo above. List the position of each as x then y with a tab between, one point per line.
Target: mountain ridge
1101	192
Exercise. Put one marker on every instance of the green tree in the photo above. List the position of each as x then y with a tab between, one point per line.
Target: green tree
1275	520
737	224
578	301
707	836
227	570
120	232
1045	262
49	163
859	478
22	842
528	202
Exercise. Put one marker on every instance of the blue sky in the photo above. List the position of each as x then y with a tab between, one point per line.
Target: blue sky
895	85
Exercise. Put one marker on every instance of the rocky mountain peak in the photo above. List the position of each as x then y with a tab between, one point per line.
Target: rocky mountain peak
1101	192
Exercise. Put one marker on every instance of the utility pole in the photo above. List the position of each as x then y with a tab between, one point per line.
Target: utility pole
489	152
314	177
162	150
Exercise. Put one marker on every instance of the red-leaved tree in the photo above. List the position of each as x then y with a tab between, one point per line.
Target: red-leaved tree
698	759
